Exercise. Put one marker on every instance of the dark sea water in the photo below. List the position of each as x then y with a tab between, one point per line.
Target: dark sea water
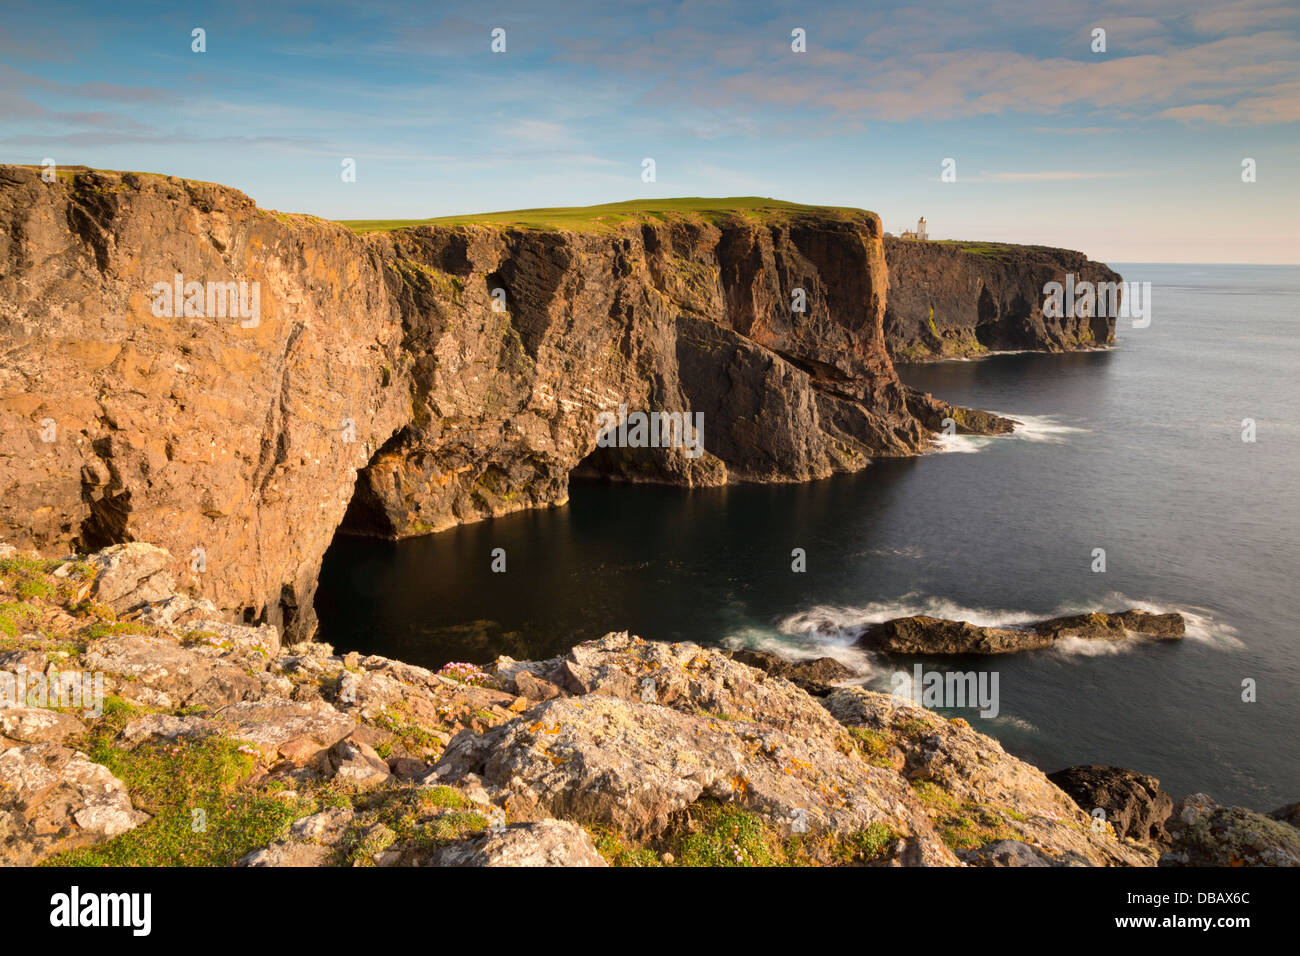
1137	450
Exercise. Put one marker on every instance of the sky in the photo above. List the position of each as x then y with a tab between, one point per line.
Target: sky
1133	153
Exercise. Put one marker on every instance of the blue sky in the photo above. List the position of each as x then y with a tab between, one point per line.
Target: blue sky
1133	154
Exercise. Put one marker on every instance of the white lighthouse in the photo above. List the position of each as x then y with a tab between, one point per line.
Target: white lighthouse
920	232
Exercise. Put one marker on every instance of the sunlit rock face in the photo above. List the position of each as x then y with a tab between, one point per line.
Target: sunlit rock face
401	383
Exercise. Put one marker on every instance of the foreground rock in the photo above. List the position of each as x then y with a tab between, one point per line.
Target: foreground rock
654	728
1203	833
922	635
977	793
54	799
1132	802
621	751
546	843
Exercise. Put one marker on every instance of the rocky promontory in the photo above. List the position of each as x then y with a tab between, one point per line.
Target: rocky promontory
956	299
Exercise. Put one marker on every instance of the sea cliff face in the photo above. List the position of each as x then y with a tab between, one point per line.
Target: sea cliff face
949	299
404	382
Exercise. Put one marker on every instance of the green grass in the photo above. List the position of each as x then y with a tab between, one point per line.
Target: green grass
985	250
172	782
728	836
617	851
14	613
610	215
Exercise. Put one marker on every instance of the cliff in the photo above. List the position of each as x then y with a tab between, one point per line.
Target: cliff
401	382
378	387
949	299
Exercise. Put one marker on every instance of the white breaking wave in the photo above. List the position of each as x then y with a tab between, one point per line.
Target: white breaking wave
792	648
1045	429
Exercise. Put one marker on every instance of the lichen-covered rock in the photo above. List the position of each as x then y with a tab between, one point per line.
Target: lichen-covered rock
167	727
540	843
1203	833
34	725
1005	853
129	575
288	853
975	791
716	729
295	730
54	799
354	763
185	675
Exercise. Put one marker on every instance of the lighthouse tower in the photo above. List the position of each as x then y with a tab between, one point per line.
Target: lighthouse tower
920	229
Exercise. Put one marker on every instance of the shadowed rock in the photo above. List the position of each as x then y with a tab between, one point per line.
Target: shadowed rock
814	676
1133	802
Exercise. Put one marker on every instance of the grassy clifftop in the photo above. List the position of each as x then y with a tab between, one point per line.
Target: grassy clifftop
611	215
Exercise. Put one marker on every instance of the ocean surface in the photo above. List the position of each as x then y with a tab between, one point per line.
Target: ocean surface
1137	450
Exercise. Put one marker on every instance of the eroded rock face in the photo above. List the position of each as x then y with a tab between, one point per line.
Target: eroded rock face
377	381
953	299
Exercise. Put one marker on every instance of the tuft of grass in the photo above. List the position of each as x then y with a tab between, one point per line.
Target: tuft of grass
726	835
201	814
610	844
448	798
14	613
